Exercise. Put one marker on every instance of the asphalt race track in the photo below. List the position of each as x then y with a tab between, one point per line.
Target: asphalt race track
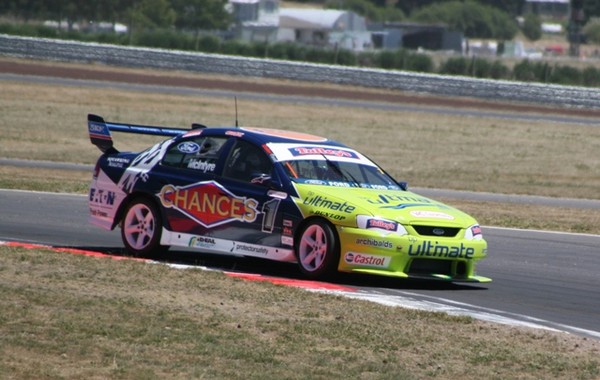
541	279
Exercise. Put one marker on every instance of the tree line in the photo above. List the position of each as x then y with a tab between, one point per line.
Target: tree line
494	19
143	14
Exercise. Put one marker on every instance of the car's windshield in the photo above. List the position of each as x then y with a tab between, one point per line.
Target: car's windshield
337	173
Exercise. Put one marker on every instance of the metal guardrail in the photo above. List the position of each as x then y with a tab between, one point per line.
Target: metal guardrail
72	51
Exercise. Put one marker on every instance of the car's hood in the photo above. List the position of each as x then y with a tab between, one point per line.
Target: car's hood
400	206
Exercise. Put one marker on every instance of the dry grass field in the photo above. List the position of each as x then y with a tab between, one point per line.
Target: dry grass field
73	317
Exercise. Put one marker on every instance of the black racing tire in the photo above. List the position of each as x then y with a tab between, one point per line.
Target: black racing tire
141	228
317	249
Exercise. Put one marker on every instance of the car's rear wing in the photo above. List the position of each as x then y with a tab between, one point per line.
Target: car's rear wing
100	136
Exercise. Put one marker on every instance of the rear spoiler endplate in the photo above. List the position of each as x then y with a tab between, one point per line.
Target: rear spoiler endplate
99	131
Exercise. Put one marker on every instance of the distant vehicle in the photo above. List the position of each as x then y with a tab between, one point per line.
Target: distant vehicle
277	195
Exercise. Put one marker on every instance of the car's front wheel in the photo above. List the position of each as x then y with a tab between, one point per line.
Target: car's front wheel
141	228
317	249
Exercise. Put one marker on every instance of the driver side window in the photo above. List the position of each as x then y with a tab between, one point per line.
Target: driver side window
248	163
198	154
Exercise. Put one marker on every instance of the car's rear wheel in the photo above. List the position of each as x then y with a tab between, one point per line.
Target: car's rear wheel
317	250
141	228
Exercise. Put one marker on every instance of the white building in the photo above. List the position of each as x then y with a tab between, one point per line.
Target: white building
264	21
324	27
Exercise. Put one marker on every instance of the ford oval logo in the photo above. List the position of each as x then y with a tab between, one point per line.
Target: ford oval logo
188	147
439	231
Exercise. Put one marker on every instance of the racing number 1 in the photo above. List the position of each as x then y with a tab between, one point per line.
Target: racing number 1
269	210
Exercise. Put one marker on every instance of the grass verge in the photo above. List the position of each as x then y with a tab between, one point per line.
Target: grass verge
52	180
66	316
537	217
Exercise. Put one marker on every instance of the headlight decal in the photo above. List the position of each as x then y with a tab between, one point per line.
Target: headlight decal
379	224
474	232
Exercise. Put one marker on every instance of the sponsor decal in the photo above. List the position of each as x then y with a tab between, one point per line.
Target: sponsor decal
209	204
202	242
260	179
435	249
378	187
102	197
401	206
141	166
386	225
338	184
361	259
98	130
193	132
288	223
117	162
234	133
431	214
329	215
287	231
374	243
323	202
291	151
202	166
476	230
322	151
382	225
249	249
287	240
98	213
411	200
188	147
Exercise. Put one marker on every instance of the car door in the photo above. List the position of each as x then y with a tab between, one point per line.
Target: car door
248	173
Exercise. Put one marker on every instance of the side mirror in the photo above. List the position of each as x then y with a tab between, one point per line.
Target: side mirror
403	185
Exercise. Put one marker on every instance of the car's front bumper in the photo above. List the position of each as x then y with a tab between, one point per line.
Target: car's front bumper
404	256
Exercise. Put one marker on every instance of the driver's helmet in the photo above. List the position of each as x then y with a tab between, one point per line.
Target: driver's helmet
253	162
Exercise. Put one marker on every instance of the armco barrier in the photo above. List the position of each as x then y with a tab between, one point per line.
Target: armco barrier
72	51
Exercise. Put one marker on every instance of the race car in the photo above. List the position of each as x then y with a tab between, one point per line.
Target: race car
277	195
